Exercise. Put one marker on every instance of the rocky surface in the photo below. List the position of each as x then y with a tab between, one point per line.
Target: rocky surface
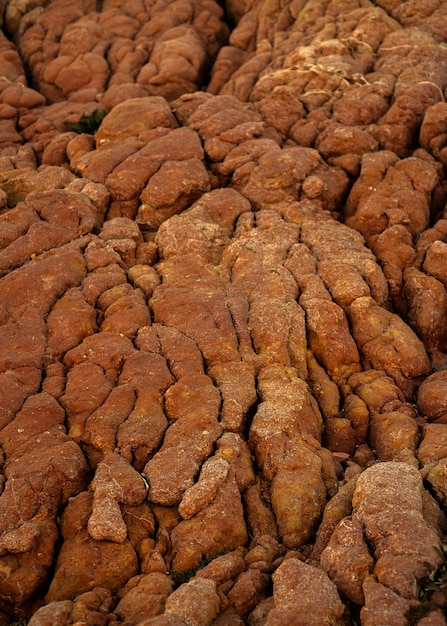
223	313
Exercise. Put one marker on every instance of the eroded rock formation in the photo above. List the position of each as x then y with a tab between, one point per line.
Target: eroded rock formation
223	313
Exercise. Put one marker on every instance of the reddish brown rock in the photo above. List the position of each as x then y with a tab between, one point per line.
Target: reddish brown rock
41	127
205	319
196	601
304	594
394	437
171	189
383	604
395	502
58	471
196	417
433	130
115	482
329	337
91	607
115	43
217	311
382	336
121	123
348	541
433	445
298	486
216	495
427	300
287	452
381	207
431	397
224	571
129	168
384	601
432	455
337	508
260	518
84	563
378	413
341	253
434	261
251	588
143	597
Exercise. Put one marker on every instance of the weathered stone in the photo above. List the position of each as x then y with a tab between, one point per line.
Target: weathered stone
84	563
143	597
303	594
199	536
222	312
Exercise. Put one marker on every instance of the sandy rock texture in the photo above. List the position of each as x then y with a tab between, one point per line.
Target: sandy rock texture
223	313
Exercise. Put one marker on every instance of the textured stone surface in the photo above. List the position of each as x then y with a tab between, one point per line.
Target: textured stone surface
223	305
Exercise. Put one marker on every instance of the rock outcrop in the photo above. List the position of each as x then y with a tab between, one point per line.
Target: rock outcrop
223	305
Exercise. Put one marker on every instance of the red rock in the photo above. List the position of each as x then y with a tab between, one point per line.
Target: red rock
381	207
70	320
304	594
84	563
230	302
200	536
258	616
433	445
20	182
168	490
92	607
394	437
287	409
144	597
196	601
212	476
332	243
108	350
17	94
433	129
324	390
434	261
297	487
121	123
40	125
171	189
329	337
250	588
115	482
386	597
82	71
196	317
236	383
58	471
224	567
260	518
348	541
382	604
233	449
399	557
337	508
427	302
372	325
430	399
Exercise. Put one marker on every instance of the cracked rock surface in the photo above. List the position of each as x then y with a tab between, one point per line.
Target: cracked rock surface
223	313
